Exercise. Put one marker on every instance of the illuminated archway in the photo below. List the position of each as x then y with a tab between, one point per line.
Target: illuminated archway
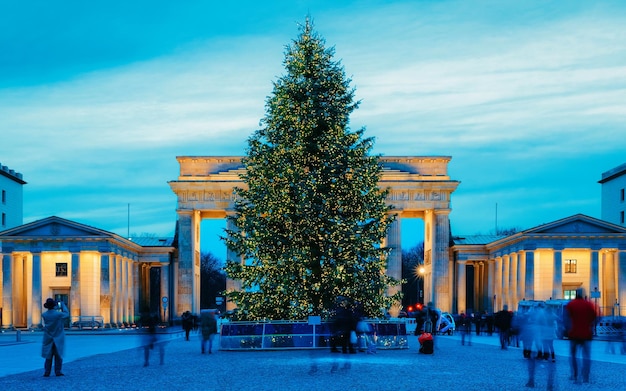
420	187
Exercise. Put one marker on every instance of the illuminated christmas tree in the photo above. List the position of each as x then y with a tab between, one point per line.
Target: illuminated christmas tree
310	224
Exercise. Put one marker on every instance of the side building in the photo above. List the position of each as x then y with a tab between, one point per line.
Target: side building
11	203
546	262
105	279
613	201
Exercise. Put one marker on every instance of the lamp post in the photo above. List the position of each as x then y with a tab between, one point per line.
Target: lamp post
421	270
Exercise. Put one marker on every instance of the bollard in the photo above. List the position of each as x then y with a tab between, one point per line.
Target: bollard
18	336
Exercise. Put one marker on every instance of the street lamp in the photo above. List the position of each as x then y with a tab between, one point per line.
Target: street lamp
421	270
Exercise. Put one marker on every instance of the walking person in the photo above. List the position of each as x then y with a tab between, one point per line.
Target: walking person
548	333
502	321
581	317
53	345
149	322
465	323
208	325
187	323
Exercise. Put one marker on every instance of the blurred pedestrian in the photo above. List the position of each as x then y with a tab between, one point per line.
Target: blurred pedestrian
549	369
548	332
342	326
187	323
53	346
208	326
502	321
465	325
581	316
149	323
522	323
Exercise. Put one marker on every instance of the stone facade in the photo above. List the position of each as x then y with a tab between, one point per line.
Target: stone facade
100	275
420	187
614	195
11	198
546	262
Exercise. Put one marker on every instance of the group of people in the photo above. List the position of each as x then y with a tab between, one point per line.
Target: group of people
207	323
350	332
536	329
53	345
426	326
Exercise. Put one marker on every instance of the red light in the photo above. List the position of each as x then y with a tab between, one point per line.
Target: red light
410	308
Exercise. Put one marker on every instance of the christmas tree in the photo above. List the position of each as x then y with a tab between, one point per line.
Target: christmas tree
310	224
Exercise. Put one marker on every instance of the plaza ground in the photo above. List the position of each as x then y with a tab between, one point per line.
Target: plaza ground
113	360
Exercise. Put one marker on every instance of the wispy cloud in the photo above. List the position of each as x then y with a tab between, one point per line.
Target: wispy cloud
508	90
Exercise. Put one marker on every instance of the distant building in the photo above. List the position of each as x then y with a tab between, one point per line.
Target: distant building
546	262
11	203
613	205
106	280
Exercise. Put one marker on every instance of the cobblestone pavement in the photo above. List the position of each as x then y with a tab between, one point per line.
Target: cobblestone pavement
481	366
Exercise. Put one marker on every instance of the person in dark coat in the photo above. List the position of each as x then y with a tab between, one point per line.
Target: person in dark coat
342	326
53	346
187	322
502	321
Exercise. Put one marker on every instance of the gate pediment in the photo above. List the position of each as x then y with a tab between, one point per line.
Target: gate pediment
52	227
577	224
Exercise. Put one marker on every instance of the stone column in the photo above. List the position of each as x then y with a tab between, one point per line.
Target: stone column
498	284
185	261
136	308
594	276
113	289
394	262
75	301
557	285
514	298
440	271
478	297
232	285
7	290
529	293
461	287
164	292
105	288
609	279
506	270
521	286
125	289
621	279
37	299
490	283
119	288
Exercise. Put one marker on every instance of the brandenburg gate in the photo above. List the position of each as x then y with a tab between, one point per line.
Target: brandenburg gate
420	187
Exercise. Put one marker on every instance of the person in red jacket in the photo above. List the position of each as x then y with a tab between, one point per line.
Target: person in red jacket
581	315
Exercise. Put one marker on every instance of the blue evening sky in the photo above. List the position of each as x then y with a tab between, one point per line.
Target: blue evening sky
98	98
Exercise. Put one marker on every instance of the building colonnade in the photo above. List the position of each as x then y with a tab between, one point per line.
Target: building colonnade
100	276
543	263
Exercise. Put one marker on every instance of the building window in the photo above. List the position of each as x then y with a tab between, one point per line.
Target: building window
4	196
4	219
61	270
621	198
570	266
621	217
569	294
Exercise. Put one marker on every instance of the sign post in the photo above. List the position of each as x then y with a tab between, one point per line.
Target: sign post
595	295
164	300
